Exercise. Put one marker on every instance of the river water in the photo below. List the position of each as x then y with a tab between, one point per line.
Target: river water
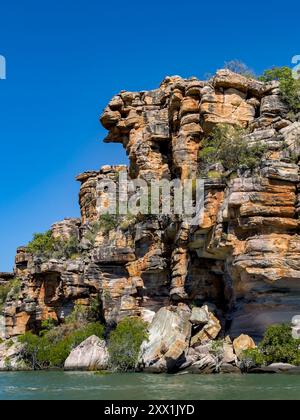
86	386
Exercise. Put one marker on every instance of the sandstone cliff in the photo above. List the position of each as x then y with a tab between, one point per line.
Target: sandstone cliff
242	260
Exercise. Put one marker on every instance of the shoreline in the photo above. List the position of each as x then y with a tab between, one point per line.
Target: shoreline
270	370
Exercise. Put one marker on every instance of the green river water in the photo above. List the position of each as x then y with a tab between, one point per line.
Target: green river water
86	386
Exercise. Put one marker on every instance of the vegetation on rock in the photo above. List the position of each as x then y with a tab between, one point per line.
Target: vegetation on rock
51	348
45	246
277	346
227	145
106	223
12	288
289	86
125	343
237	66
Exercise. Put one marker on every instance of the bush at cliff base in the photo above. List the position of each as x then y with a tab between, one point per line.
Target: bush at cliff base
125	343
277	346
51	348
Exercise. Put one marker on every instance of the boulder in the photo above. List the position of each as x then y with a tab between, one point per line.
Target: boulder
273	105
200	316
209	332
277	368
11	356
207	364
169	336
229	356
242	343
90	355
228	368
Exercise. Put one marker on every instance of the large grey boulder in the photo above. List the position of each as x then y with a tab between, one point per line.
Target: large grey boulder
169	336
200	316
91	355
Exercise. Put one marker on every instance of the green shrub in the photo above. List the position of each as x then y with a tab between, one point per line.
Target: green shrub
125	343
239	67
92	232
31	344
41	244
214	175
51	349
4	291
217	348
289	87
45	246
83	314
253	357
279	346
227	146
108	222
11	288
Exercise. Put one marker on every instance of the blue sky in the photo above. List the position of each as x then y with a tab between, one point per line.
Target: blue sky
66	59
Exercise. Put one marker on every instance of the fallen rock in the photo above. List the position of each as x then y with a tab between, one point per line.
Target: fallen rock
209	332
205	365
90	355
169	336
200	316
242	343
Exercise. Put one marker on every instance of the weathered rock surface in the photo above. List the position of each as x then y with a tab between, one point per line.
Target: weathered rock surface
91	355
209	332
169	336
228	368
243	343
277	368
243	258
11	356
207	364
200	316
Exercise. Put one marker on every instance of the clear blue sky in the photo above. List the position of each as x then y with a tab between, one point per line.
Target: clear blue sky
66	59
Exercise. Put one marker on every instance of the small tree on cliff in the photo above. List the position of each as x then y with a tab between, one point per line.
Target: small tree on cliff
227	145
239	67
289	86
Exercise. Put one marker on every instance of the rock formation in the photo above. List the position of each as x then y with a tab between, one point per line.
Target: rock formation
90	355
243	259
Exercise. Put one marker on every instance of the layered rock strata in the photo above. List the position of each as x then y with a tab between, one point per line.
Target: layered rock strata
243	258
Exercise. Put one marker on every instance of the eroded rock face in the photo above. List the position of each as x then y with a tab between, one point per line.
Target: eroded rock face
243	259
